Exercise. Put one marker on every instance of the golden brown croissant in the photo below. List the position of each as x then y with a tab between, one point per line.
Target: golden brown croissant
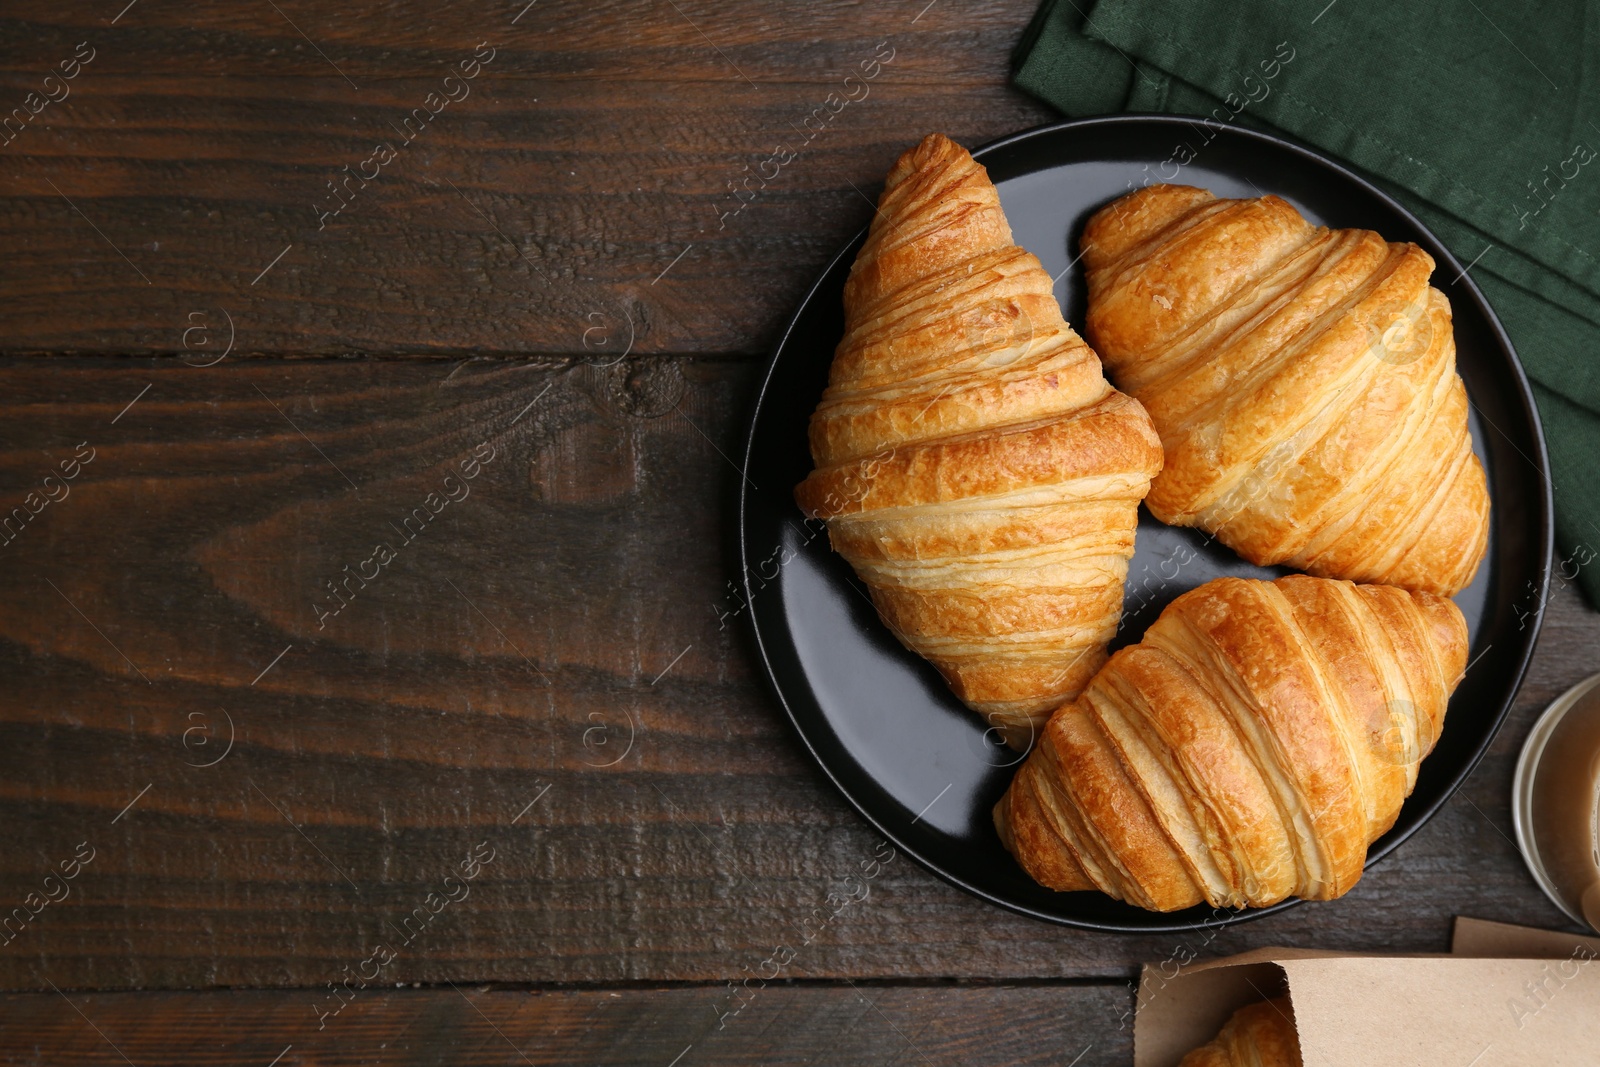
1257	1035
1302	379
973	464
1249	748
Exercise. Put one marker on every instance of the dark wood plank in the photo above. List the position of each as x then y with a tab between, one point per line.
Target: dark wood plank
540	213
504	658
684	1027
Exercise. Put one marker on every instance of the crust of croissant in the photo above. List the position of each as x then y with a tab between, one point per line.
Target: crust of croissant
1251	747
1262	1034
1303	382
1110	441
972	462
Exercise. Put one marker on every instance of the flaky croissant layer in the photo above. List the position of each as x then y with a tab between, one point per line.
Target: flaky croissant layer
1248	749
1302	379
974	466
1257	1035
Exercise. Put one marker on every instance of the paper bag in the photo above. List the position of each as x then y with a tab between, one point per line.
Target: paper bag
1507	997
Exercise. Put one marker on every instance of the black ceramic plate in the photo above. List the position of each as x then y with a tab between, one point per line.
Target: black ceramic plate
902	749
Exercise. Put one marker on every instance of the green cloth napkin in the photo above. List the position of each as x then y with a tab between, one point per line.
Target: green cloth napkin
1482	118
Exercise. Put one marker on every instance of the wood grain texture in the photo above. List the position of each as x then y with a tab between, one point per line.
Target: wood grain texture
540	213
503	658
784	1025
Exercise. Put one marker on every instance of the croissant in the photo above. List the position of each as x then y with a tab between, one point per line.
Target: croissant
1303	382
1257	1035
1249	748
972	462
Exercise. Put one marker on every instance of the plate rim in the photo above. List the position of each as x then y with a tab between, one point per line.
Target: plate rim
1546	525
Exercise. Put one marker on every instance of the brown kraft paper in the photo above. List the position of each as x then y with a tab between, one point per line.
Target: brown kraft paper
1508	996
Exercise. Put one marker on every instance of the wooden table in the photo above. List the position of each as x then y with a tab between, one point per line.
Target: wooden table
516	349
